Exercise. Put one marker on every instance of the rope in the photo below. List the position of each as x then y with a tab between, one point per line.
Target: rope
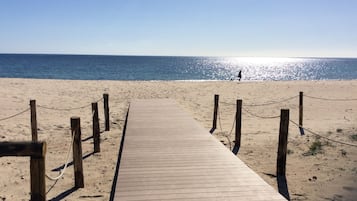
17	114
227	103
220	125
68	109
314	133
52	186
271	103
63	109
262	117
233	124
65	166
219	120
263	104
329	99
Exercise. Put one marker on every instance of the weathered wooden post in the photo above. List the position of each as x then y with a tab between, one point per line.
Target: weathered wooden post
37	163
215	112
106	111
37	152
33	120
37	169
301	110
77	152
238	123
283	141
96	135
282	151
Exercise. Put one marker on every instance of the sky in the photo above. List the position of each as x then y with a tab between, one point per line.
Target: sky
244	28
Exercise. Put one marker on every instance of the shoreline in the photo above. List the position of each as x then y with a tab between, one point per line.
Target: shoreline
333	166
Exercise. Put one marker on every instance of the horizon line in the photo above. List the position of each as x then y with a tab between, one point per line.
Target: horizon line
148	55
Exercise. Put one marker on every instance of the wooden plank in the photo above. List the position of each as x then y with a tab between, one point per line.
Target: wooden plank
167	155
34	149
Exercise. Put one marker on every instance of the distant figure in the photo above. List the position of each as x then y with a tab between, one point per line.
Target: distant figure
239	75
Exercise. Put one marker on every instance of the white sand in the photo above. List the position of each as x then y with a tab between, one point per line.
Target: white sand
331	174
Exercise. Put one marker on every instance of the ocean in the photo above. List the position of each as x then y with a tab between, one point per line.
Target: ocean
99	67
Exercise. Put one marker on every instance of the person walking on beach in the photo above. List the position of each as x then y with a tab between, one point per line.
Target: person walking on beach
239	75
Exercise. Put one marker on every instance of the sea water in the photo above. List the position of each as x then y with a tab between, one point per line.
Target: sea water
99	67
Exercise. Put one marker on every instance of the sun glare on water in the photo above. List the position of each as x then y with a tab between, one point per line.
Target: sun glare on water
265	68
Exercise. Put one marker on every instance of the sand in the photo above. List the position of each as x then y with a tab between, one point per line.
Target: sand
327	174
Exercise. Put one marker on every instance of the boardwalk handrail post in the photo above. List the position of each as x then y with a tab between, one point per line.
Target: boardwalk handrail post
106	111
215	112
96	135
37	163
238	124
283	141
37	171
301	109
37	153
33	120
282	151
77	152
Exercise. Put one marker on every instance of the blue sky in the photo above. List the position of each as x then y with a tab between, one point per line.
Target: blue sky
280	28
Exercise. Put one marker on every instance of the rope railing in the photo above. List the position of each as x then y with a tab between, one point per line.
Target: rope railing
330	99
316	134
220	125
263	104
63	170
291	98
259	116
14	115
271	103
278	116
75	144
225	103
281	101
68	109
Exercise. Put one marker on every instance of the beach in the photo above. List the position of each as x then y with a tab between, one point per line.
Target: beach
317	168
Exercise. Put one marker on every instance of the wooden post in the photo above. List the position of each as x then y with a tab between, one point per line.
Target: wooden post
283	141
38	182
96	135
77	152
215	111
106	111
37	163
238	123
301	102
37	152
33	120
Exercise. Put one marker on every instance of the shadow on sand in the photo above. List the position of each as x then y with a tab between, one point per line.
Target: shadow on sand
71	163
64	194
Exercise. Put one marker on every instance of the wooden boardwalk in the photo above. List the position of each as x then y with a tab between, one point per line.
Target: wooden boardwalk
167	155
